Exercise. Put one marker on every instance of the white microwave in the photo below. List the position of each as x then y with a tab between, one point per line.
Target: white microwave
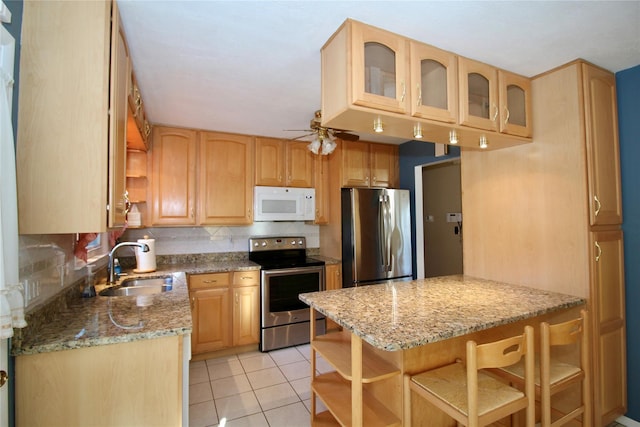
284	204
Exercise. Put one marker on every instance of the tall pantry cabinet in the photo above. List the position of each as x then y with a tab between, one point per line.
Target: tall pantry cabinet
548	214
71	136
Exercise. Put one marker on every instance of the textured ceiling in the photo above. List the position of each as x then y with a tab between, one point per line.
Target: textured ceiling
253	67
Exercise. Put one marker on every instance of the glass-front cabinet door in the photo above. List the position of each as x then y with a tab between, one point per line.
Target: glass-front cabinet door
515	104
378	69
434	83
478	94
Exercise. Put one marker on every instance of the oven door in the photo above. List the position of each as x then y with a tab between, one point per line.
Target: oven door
280	288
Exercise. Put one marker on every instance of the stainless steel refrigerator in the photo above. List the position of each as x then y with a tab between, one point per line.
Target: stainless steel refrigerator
376	235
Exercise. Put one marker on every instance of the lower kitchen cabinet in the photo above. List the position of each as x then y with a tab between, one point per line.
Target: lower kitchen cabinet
133	383
333	280
225	310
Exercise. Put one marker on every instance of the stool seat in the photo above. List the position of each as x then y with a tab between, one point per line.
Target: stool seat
559	372
450	383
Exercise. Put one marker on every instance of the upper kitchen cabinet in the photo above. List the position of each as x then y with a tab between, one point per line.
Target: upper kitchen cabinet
434	83
413	90
226	163
366	164
378	71
71	136
173	180
603	152
493	99
282	163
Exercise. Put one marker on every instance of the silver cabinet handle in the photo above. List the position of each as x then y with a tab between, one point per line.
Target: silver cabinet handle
495	115
506	119
598	204
419	100
599	253
404	91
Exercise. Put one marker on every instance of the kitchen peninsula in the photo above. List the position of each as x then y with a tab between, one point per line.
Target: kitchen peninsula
399	328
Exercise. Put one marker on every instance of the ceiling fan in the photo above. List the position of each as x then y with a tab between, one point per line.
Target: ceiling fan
323	141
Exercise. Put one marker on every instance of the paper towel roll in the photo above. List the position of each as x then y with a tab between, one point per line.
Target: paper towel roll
146	261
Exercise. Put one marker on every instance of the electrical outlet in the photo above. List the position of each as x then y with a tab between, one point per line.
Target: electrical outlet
454	217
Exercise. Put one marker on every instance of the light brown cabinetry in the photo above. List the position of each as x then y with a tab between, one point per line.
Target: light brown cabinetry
173	182
138	124
221	171
224	309
371	74
603	152
493	99
366	164
333	280
135	383
537	196
137	183
282	163
225	179
71	176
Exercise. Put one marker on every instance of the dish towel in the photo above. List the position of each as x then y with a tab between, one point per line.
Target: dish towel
11	299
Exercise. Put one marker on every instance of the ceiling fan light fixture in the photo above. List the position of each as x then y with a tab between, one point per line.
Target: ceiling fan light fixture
328	146
377	125
314	146
417	131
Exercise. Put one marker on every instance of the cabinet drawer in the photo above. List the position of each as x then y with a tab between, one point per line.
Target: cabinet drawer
246	278
210	280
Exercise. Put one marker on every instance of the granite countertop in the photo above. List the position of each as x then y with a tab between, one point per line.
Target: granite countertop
401	315
87	322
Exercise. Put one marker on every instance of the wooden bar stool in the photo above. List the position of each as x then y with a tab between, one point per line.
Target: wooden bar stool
553	376
470	395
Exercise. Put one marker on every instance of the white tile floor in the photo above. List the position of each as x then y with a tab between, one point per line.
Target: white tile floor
253	389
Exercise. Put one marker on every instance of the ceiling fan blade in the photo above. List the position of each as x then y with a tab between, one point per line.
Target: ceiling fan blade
346	136
302	136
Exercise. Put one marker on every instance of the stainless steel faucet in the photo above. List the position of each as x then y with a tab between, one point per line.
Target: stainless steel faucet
112	276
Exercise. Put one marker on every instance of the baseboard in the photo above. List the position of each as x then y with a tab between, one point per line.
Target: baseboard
628	422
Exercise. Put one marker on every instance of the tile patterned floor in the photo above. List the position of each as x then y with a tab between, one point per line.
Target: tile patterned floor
253	389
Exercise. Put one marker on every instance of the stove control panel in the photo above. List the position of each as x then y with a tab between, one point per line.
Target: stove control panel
276	243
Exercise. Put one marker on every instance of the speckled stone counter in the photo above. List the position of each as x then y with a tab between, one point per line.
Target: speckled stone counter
81	322
402	315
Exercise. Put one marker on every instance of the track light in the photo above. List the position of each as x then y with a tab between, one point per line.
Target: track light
453	137
417	131
483	142
377	125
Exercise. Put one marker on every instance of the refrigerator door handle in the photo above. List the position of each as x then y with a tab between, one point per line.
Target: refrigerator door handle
384	221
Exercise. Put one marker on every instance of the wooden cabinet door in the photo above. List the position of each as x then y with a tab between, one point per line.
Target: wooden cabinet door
226	179
298	164
379	73
434	83
246	315
269	162
478	85
355	164
211	320
173	188
515	104
384	159
322	185
608	326
118	198
603	152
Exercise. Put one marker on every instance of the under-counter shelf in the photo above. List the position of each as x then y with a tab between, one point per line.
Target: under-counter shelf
335	348
335	393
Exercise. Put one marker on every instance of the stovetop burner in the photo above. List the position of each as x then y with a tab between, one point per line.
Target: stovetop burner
280	252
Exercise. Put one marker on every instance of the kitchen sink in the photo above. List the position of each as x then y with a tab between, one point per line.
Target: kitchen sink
139	286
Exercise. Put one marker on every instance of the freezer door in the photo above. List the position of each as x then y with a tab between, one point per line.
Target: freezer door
376	235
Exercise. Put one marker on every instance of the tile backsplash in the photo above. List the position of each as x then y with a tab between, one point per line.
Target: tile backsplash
47	264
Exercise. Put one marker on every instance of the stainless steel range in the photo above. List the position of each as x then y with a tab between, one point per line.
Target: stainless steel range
285	272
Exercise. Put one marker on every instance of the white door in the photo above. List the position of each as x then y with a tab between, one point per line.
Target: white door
7	54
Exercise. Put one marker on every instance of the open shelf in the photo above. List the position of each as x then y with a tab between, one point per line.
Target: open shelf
335	393
335	348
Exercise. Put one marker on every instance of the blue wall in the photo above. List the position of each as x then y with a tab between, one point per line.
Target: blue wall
628	88
412	154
